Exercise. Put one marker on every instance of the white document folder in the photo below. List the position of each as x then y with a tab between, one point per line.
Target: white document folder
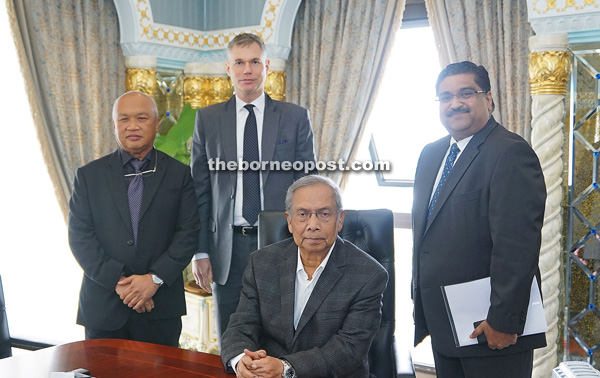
469	302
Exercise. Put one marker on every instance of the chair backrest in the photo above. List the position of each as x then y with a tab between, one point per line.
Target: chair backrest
373	232
5	343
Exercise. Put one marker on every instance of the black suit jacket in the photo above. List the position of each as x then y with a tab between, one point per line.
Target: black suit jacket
338	324
101	237
487	222
286	136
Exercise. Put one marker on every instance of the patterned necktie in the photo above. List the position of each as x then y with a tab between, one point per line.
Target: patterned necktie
134	194
454	150
251	178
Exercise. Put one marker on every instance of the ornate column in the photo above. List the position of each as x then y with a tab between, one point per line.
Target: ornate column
206	84
548	74
141	74
275	83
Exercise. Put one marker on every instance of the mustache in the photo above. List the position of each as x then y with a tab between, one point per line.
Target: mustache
460	109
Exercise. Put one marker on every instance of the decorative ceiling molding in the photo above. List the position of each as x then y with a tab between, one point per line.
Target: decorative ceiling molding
563	16
174	46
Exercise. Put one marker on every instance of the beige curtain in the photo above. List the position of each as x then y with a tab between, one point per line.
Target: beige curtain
338	53
492	33
73	68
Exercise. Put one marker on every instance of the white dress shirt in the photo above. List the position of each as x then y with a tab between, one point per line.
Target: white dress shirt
462	144
241	116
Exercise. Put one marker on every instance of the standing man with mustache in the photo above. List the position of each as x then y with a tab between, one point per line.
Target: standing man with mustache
478	209
254	128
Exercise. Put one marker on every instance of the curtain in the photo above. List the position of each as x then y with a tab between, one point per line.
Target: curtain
73	70
339	49
492	33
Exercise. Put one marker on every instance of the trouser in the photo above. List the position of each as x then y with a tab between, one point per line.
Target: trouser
140	328
516	365
227	296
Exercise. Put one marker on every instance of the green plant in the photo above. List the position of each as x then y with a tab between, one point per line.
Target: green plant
177	142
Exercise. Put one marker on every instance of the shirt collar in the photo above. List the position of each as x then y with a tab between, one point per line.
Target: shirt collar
259	103
461	144
300	266
126	156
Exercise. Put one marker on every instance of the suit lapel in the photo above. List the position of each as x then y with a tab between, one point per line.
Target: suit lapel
228	136
329	277
152	182
118	189
287	282
269	133
461	166
424	183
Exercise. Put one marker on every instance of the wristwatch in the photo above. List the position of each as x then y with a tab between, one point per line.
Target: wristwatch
156	279
288	369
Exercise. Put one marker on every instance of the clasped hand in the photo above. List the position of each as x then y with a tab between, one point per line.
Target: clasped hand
495	339
137	291
258	364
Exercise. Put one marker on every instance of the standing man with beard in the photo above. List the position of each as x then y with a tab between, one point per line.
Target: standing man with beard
254	128
478	209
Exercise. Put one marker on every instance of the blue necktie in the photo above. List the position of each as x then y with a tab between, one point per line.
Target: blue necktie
251	178
454	150
134	195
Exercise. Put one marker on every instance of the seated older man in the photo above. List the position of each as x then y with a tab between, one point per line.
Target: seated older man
310	305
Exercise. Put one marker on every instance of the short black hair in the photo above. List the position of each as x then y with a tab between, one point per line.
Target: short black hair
482	77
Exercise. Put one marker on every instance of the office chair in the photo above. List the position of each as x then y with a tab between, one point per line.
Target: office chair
6	342
373	232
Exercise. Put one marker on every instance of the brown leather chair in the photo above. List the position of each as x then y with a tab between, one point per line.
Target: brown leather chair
373	232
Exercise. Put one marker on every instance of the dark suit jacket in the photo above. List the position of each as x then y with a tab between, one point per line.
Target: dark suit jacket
101	237
339	321
487	222
286	136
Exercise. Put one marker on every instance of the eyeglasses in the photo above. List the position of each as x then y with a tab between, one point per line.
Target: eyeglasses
144	172
465	94
324	216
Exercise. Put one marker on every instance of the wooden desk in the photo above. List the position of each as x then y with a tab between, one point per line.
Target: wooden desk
106	358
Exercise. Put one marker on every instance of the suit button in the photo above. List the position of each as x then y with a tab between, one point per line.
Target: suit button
231	226
130	242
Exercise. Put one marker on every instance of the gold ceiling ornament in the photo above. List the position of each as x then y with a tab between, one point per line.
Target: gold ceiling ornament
200	91
141	79
549	72
275	85
543	6
202	39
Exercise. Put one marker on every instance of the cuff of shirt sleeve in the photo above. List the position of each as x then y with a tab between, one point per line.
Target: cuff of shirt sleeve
200	255
234	361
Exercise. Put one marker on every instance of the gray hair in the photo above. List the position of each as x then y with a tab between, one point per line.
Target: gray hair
246	39
114	109
313	180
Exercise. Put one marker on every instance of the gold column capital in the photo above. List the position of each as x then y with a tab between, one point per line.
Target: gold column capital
275	85
201	91
548	72
141	79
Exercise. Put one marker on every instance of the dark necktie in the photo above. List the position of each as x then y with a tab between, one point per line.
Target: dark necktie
134	194
454	150
251	178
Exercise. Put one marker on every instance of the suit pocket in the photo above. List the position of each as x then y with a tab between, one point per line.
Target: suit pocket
471	196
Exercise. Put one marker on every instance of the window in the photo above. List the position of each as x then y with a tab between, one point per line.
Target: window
403	120
41	278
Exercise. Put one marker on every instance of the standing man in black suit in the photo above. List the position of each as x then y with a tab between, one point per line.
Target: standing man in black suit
133	226
478	209
254	128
